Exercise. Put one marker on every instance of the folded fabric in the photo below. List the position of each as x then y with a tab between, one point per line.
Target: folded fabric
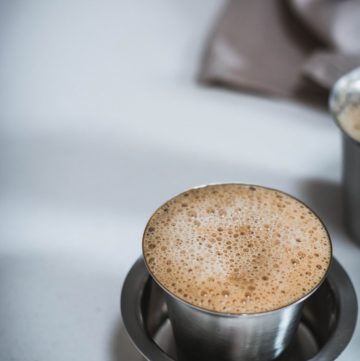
336	22
282	48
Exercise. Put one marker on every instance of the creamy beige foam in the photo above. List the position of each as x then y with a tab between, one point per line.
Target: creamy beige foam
236	248
349	120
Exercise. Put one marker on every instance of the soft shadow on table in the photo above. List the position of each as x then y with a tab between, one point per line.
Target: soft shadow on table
325	198
119	176
121	347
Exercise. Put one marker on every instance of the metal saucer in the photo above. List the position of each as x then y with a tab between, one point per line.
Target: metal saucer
326	327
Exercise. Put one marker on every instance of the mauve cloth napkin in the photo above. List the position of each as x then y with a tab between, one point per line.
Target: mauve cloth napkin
293	48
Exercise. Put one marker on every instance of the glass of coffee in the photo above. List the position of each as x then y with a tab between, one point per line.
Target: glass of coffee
236	263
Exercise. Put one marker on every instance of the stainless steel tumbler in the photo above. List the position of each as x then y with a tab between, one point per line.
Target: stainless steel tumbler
346	93
205	335
201	334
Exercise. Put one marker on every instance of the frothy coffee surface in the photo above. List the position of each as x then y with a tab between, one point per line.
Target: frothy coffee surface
235	248
349	120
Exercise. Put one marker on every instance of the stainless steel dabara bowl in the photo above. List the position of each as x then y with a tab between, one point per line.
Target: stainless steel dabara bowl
327	322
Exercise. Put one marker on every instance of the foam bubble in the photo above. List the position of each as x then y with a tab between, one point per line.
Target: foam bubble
236	248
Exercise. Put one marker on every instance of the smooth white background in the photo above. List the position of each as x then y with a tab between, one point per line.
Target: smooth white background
101	121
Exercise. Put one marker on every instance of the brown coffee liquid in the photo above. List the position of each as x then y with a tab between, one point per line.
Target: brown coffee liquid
235	248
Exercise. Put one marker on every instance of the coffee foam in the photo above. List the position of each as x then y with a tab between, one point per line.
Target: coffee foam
236	248
349	120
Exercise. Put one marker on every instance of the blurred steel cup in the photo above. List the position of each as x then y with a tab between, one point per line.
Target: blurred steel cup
345	95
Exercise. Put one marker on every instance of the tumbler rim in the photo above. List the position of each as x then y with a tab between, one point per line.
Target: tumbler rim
240	314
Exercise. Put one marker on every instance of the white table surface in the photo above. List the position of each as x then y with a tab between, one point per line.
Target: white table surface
100	122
